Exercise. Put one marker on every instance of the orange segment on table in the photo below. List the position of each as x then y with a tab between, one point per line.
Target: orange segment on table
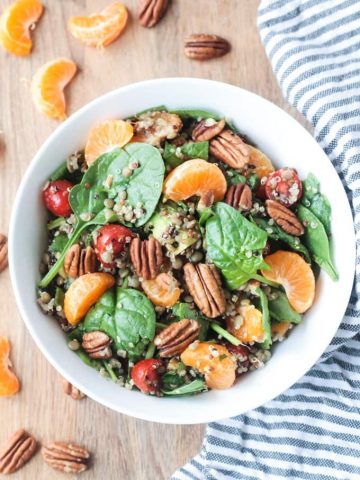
9	383
195	177
48	85
105	137
100	29
15	24
163	291
295	275
83	293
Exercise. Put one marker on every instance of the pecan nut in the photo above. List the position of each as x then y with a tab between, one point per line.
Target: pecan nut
97	345
146	257
3	252
207	129
72	391
156	127
203	46
79	261
239	196
17	451
285	218
176	337
204	284
150	12
66	457
230	149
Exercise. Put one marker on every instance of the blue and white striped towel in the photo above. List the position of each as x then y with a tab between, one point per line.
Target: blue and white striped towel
312	431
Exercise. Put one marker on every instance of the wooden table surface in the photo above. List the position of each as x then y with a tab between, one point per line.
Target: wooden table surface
122	447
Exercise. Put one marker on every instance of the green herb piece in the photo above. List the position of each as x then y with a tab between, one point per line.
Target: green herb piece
55	223
205	215
233	177
235	245
316	240
196	386
171	380
59	297
222	357
58	243
60	172
150	350
174	156
253	181
281	310
278	234
110	371
315	201
225	334
266	343
182	310
190	114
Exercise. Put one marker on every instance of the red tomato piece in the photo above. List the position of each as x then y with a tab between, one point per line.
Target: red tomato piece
110	242
146	376
56	198
284	186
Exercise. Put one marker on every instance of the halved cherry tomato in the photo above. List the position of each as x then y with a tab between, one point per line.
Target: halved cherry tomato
284	185
146	376
110	242
56	198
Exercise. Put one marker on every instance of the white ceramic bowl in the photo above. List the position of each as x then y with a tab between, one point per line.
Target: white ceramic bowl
287	144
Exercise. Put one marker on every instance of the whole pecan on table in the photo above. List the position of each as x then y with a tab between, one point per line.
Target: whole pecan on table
3	252
284	217
176	337
72	391
230	149
207	129
150	12
204	284
146	257
202	46
66	457
17	451
239	196
156	127
79	261
97	345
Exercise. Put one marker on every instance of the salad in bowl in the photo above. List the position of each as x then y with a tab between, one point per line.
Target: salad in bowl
178	254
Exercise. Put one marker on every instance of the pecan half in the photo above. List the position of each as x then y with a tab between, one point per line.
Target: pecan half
207	129
230	149
239	196
146	257
203	46
176	337
17	451
66	457
3	252
150	12
79	261
285	218
97	345
156	127
204	284
72	391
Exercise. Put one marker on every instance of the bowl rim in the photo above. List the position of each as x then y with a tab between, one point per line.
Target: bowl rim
204	416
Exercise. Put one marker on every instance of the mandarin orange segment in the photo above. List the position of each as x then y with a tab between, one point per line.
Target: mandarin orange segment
279	329
295	275
214	361
100	29
83	293
247	326
163	291
47	87
9	383
262	164
195	177
105	137
15	24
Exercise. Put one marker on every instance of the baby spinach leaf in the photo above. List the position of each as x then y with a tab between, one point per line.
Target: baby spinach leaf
224	334
205	215
101	315
59	297
277	233
316	240
265	318
311	187
253	181
196	386
171	380
58	243
235	245
157	108
316	202
182	310
196	114
60	172
233	177
281	310
97	364
174	156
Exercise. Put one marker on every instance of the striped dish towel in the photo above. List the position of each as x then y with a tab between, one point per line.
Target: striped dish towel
312	431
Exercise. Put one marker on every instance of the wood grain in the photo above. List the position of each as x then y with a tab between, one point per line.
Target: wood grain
122	447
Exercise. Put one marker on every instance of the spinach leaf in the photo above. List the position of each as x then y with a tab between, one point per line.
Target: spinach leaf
277	233
315	201
174	156
265	318
182	310
60	173
235	245
316	240
59	297
224	334
253	181
58	243
205	215
196	114
171	380
53	224
157	108
97	364
281	310
196	386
